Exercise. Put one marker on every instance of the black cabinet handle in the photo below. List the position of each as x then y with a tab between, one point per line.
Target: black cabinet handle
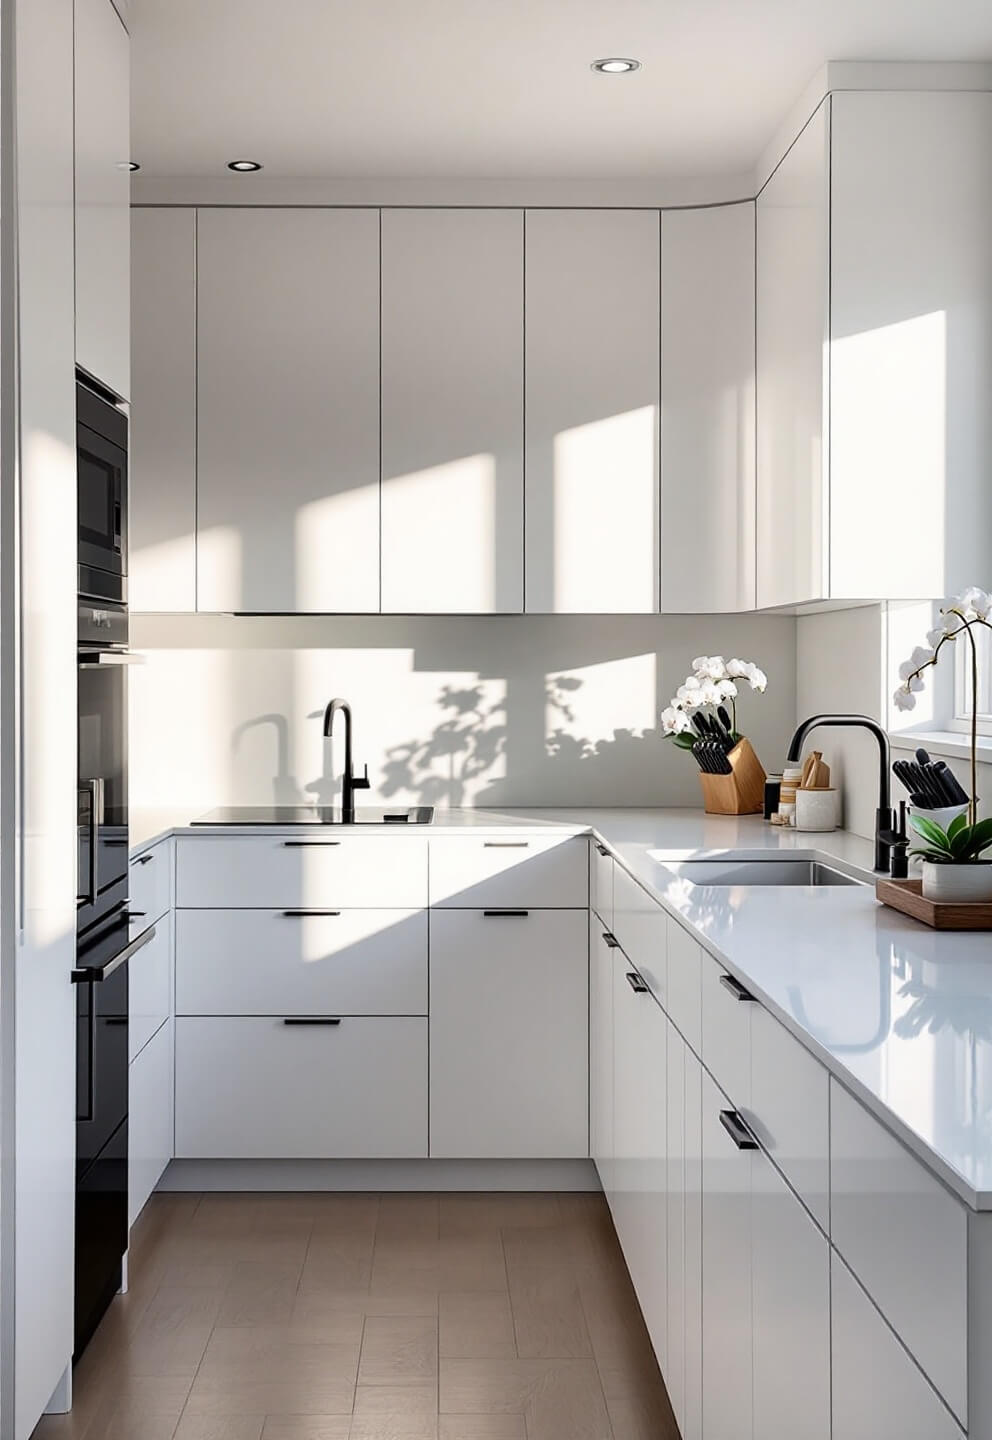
96	974
312	1020
636	983
736	988
309	844
602	849
737	1130
611	940
144	859
294	914
495	914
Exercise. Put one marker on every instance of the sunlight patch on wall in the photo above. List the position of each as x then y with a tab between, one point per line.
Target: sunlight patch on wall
888	419
459	499
336	551
156	571
605	514
596	710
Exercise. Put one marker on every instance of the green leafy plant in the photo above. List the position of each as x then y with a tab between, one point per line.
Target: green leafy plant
959	844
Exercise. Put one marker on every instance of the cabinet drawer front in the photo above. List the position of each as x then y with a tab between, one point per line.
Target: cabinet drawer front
150	885
303	871
509	1035
149	979
601	882
150	1119
726	1271
727	1011
877	1390
789	1110
270	962
685	982
536	871
641	926
256	1088
905	1238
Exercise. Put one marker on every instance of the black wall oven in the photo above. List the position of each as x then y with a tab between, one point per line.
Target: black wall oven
104	937
101	483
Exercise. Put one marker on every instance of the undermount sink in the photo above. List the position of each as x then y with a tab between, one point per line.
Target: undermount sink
760	872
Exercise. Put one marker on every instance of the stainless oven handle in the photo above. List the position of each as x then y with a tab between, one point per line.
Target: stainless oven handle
98	973
103	659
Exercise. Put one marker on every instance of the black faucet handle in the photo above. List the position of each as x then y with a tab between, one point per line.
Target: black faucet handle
362	782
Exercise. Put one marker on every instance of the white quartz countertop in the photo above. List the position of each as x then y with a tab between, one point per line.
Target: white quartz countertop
900	1014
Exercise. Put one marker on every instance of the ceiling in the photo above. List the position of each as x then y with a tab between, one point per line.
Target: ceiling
496	89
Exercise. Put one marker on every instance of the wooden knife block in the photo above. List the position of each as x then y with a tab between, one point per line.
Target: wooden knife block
742	792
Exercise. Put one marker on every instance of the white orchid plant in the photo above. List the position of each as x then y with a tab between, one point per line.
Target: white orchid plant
714	681
958	616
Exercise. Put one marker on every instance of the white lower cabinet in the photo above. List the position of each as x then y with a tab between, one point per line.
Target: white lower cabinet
301	1087
601	955
878	1391
692	1422
149	999
790	1283
150	1118
726	1287
509	1034
675	1239
640	1135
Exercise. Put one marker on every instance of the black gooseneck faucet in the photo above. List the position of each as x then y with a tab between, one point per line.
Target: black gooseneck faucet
883	814
349	782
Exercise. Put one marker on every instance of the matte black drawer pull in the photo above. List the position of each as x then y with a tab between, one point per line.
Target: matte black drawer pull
309	844
602	849
636	983
294	914
506	844
144	859
611	940
96	974
495	914
736	988
737	1130
312	1020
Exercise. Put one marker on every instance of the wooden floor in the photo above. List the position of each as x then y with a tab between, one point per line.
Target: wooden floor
365	1317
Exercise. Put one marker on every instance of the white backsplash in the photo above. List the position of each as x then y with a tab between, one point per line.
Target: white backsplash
451	710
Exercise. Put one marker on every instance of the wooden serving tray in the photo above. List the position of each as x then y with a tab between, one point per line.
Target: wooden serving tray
907	896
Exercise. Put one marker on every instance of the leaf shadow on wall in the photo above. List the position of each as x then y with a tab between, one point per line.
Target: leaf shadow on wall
455	764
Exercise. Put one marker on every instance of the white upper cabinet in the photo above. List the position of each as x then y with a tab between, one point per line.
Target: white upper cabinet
162	457
288	410
792	331
910	361
592	303
452	411
707	409
103	194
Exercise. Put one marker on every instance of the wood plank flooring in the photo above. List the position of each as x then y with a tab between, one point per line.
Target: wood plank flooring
371	1317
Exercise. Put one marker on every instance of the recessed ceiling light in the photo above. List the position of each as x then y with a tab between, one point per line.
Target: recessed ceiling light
615	66
243	165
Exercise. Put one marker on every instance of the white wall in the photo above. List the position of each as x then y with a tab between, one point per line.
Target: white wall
451	710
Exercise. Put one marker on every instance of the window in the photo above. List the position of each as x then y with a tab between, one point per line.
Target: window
962	681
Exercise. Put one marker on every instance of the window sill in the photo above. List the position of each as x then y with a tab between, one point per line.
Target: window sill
951	744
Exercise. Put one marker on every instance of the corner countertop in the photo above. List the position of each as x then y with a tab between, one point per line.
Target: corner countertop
900	1014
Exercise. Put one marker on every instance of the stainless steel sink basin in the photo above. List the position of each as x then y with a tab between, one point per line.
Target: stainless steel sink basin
759	872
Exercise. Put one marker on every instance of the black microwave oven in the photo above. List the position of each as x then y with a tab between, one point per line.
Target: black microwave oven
101	480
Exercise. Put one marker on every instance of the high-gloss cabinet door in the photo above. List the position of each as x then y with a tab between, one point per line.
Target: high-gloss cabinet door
601	956
640	1132
452	411
288	410
790	1265
692	1420
677	1278
592	411
103	194
151	1117
707	408
162	450
509	1034
878	1392
726	1244
792	325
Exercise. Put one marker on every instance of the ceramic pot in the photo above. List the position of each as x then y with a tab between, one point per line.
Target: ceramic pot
816	809
958	884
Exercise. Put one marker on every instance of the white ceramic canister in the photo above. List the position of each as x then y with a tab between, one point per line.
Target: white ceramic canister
968	884
817	809
941	817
